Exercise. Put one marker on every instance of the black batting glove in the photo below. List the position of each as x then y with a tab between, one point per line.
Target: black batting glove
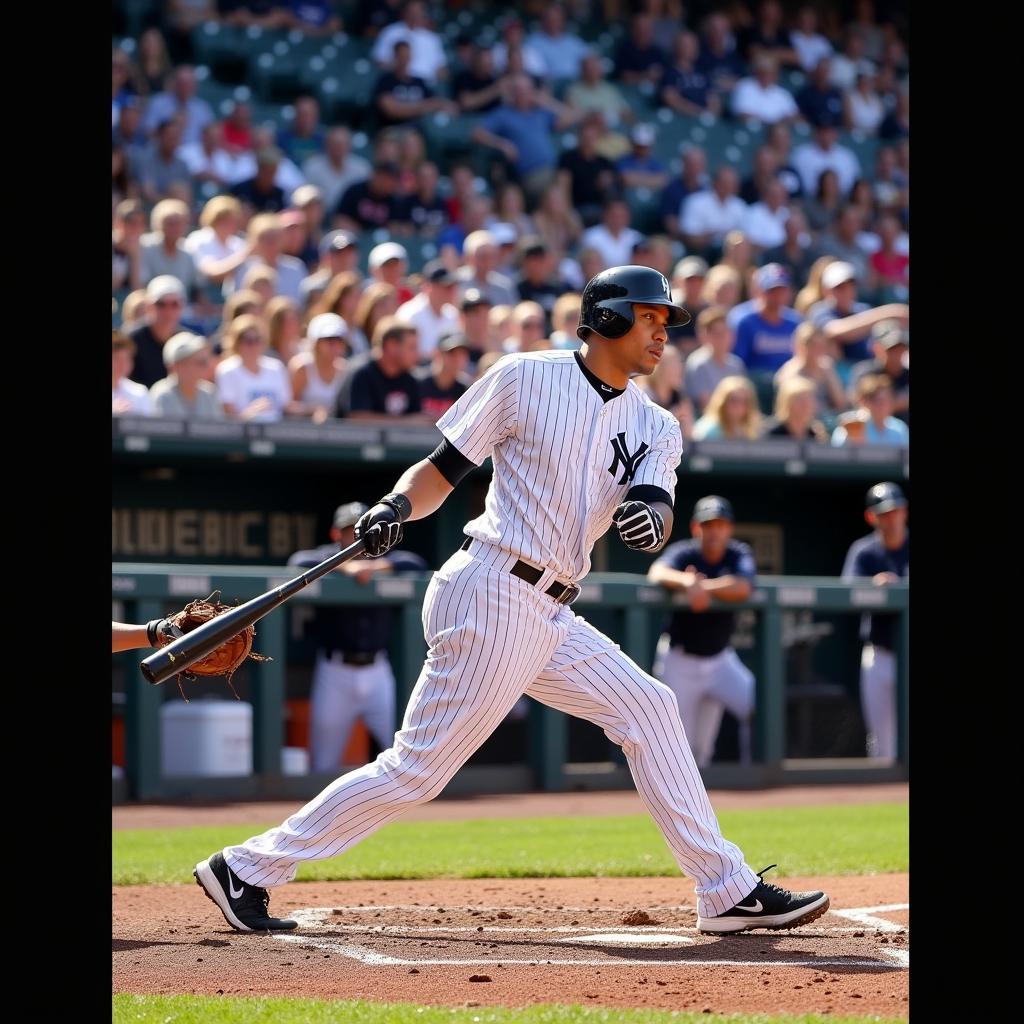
640	526
160	632
381	527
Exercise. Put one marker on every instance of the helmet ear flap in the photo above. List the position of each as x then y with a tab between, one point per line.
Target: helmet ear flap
611	323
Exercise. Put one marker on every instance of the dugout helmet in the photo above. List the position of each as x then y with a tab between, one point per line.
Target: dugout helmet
607	304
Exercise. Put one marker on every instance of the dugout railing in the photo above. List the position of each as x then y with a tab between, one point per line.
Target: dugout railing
146	591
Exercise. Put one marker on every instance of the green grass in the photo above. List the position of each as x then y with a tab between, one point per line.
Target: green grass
848	839
132	1009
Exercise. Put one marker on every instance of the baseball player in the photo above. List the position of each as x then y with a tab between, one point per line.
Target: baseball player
694	658
352	677
577	449
884	557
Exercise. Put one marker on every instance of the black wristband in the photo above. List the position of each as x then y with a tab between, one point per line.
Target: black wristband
400	503
151	628
648	494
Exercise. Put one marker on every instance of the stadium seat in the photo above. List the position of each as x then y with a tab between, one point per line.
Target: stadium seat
448	137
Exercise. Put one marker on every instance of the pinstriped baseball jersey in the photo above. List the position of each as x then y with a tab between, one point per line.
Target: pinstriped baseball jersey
564	457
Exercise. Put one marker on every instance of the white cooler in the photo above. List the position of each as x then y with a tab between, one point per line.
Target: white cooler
206	737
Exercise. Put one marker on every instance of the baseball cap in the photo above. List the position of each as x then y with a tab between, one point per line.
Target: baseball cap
452	340
346	515
336	241
643	134
503	233
889	334
691	266
306	194
773	275
474	297
884	497
838	273
437	273
163	285
180	346
533	245
326	325
712	507
381	254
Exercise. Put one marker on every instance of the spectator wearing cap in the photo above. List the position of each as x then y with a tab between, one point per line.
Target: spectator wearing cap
640	168
874	397
812	362
588	178
708	365
260	192
186	393
216	247
304	137
158	167
480	251
705	218
317	375
759	97
765	221
425	208
476	87
820	102
163	251
335	169
339	253
388	264
884	558
796	409
352	677
446	379
593	93
505	237
843	318
684	87
400	98
427	57
521	129
613	238
692	178
797	252
128	398
890	343
561	52
250	384
165	302
179	98
764	336
821	153
694	657
638	58
432	311
375	203
379	386
474	322
687	279
266	239
536	282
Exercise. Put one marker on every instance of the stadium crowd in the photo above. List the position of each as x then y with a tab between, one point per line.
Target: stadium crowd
325	259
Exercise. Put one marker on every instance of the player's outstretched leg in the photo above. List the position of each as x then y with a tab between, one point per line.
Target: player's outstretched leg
590	677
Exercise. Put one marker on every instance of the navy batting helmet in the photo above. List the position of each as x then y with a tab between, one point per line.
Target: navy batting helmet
607	304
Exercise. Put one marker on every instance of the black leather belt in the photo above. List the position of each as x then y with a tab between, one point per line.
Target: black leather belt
531	574
355	657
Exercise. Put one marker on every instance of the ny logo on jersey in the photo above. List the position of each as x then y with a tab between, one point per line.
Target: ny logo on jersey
629	463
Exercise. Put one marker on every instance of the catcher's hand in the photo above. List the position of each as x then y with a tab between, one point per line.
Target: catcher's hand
160	632
381	527
640	526
225	659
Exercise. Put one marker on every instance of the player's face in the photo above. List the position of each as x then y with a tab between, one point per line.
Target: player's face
889	524
642	347
713	535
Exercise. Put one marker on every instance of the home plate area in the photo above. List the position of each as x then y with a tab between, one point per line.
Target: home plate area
411	935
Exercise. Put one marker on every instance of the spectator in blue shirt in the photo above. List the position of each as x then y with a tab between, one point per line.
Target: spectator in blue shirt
560	51
764	337
875	398
521	130
179	97
640	168
684	87
305	137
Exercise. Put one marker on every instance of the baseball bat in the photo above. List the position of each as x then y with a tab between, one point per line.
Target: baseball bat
178	655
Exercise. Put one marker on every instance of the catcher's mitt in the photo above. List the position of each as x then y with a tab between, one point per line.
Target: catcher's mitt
223	660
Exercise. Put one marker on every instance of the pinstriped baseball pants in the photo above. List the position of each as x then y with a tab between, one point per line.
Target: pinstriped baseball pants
493	637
